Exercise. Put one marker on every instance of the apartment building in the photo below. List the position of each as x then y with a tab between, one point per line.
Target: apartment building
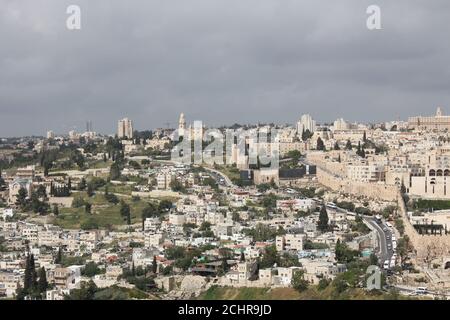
290	242
125	129
365	172
9	282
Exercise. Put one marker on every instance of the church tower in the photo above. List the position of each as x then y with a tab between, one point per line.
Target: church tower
181	125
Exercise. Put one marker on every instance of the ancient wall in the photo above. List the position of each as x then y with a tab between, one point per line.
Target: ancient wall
370	190
426	247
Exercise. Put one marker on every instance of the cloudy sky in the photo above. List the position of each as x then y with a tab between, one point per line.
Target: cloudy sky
220	61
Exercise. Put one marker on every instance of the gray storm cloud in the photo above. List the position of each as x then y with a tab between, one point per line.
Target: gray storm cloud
220	61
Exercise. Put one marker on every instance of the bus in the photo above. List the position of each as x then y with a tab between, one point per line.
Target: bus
331	205
421	290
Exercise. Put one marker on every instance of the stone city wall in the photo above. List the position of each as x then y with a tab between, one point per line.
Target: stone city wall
370	190
426	247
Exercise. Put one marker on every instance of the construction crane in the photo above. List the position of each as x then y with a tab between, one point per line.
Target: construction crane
168	124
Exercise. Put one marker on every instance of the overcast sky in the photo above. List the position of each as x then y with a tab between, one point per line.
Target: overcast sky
220	61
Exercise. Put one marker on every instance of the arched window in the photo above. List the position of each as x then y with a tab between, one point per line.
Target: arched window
432	173
446	172
439	173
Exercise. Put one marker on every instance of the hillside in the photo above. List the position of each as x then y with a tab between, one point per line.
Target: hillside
312	293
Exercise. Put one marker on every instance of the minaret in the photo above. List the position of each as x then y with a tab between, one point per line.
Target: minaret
439	112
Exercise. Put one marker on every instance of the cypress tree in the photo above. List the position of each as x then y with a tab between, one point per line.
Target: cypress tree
59	257
82	184
348	146
154	265
33	273
42	283
27	282
323	219
336	146
320	144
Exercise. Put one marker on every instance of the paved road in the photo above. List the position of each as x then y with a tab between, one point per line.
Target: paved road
217	175
384	252
411	291
386	249
385	239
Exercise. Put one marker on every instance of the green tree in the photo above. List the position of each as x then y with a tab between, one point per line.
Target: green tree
164	205
41	192
336	146
348	145
55	209
177	186
205	226
59	256
82	184
90	190
323	284
42	283
269	258
360	151
86	292
154	265
320	144
373	259
403	248
30	276
294	154
306	134
322	224
21	199
91	269
343	253
125	211
298	281
114	173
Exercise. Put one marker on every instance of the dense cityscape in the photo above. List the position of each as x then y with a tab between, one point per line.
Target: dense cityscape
90	216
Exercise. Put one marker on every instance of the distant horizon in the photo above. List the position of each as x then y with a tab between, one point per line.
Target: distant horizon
206	124
221	62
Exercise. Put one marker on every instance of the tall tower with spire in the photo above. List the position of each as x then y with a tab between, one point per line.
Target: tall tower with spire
181	125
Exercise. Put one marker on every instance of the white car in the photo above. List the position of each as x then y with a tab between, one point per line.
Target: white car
392	264
386	265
